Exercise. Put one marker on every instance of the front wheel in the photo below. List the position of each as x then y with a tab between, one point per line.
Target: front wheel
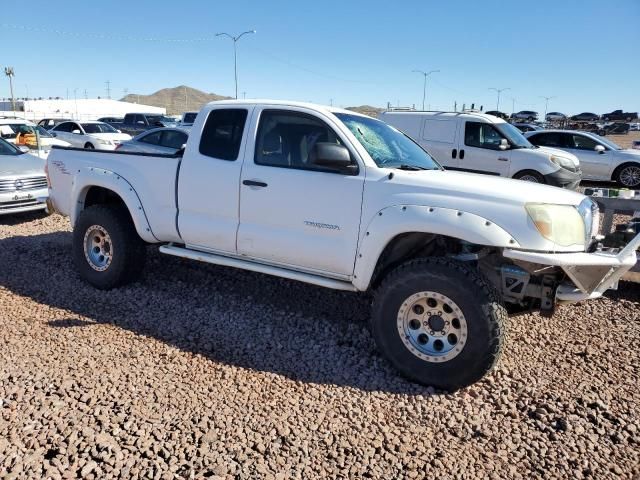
628	175
107	250
89	146
529	176
439	322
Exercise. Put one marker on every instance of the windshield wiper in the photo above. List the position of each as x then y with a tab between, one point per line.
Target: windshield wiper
409	168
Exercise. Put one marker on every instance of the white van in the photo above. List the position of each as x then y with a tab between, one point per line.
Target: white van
480	143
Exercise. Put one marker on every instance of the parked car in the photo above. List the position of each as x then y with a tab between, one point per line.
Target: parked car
526	115
188	118
439	251
111	120
600	158
159	140
634	127
635	145
585	117
615	128
49	123
29	135
90	135
555	117
496	113
136	123
527	127
620	115
480	143
23	184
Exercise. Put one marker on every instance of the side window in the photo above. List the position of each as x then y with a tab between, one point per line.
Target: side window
173	139
152	138
222	133
286	139
481	135
63	127
547	139
583	143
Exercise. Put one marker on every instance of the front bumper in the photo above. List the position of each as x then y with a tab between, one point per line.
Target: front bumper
19	202
564	178
591	274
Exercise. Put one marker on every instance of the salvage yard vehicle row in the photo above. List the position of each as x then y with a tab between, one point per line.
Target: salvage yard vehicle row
337	199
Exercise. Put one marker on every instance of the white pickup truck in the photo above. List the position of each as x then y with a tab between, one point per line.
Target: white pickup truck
337	199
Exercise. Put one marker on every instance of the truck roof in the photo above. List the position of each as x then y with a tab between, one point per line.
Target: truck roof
286	103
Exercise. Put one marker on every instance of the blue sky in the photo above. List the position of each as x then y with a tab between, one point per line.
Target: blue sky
585	53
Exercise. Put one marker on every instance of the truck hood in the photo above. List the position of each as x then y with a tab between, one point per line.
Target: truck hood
18	165
480	190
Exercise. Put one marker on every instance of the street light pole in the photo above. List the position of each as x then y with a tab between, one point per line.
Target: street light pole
499	90
546	105
424	85
235	53
9	72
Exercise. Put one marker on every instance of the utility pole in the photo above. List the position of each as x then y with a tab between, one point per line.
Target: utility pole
235	52
85	94
75	99
499	90
546	105
424	86
244	95
9	72
513	106
108	83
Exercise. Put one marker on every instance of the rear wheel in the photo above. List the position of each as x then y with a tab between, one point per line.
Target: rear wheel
106	247
529	176
438	322
628	175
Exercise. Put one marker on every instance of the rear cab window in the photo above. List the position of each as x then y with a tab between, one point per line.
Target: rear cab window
222	133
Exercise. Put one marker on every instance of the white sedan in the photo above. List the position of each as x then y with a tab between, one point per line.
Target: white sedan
99	135
600	158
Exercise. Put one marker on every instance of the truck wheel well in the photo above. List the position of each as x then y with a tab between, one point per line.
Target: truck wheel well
102	196
408	246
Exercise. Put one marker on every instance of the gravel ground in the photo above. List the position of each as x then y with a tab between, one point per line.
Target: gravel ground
206	372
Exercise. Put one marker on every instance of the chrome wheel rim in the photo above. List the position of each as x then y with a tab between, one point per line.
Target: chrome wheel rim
630	176
529	178
432	327
98	249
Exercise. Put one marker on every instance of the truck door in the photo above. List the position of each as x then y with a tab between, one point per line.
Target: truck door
479	149
293	213
208	179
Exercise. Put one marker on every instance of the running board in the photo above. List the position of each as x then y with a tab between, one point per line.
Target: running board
256	267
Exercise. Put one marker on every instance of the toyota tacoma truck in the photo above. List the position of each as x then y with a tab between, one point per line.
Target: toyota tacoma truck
341	200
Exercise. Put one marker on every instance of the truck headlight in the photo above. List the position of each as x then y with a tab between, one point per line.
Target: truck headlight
561	224
563	162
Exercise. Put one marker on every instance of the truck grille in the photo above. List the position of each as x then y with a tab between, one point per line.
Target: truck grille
22	184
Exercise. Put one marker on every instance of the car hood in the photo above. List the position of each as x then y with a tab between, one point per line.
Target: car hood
111	136
561	153
18	165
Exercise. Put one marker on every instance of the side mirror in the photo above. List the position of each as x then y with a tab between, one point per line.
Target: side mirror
119	131
53	134
332	156
23	148
599	148
139	122
77	132
504	144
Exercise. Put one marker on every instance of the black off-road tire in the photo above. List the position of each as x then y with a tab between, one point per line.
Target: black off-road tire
479	301
128	249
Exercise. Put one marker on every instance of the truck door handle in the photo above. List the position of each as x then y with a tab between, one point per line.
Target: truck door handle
254	183
503	159
461	154
454	153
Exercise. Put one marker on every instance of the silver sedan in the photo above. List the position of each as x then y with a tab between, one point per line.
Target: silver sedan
159	140
23	183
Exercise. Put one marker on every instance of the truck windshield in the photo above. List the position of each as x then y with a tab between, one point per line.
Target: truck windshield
387	146
513	135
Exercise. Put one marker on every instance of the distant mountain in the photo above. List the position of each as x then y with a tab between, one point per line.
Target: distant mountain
176	100
367	110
